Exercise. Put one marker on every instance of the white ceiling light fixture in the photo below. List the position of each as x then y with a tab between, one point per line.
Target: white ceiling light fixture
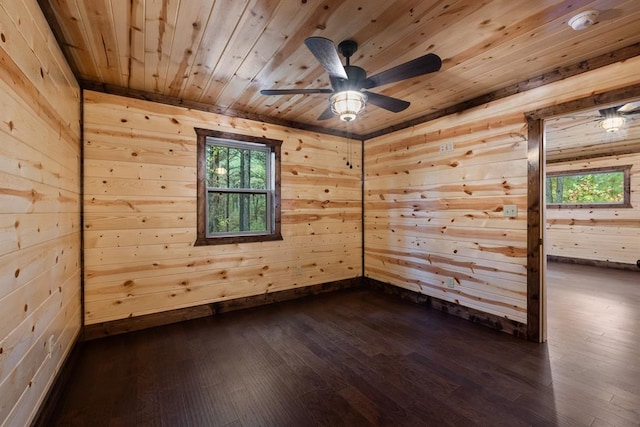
584	20
612	124
348	104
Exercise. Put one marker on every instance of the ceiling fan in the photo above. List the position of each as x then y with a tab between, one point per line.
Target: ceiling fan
614	117
350	83
611	119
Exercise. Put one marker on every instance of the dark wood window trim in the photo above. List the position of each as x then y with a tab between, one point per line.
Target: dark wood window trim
275	146
626	203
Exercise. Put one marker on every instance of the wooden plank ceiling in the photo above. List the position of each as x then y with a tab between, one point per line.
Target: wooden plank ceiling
222	52
580	135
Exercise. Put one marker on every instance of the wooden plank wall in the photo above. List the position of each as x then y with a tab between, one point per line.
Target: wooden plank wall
39	210
140	212
430	215
611	235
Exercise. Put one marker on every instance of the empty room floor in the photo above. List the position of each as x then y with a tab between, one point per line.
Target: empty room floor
360	357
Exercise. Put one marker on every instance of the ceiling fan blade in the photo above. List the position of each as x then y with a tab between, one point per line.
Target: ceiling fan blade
326	114
388	103
325	52
424	65
630	108
293	91
579	124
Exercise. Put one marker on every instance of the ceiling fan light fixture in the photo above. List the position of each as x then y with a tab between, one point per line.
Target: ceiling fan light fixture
612	124
348	104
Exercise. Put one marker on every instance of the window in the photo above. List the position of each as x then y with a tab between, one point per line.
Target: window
589	188
238	188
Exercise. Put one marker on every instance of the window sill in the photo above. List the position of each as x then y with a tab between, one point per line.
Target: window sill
592	206
237	239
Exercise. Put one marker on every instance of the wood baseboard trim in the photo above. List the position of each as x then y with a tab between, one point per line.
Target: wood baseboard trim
592	262
63	377
492	321
104	329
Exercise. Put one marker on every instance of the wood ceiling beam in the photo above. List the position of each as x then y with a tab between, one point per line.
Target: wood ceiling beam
56	29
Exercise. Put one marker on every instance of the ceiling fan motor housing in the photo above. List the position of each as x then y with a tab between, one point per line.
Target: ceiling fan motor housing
355	81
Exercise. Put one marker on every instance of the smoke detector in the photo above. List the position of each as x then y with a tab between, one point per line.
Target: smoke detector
584	20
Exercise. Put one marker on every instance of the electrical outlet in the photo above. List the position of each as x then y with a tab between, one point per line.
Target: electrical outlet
447	147
510	211
450	282
298	271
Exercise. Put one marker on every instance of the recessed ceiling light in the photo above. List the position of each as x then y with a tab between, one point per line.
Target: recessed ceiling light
584	20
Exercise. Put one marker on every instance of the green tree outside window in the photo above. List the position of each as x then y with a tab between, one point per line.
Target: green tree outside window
595	187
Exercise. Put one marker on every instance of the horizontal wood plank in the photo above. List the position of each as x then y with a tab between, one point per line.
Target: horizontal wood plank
140	212
40	147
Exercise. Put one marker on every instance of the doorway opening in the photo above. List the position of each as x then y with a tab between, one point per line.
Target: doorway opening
546	143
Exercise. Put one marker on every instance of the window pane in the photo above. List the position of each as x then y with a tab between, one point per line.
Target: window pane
236	163
259	170
586	188
237	212
230	167
217	165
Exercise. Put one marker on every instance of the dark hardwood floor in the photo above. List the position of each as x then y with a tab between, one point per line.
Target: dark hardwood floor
359	358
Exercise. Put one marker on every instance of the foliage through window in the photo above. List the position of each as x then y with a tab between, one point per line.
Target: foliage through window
604	187
238	188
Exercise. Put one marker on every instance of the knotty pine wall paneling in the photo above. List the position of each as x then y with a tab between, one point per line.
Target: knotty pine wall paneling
140	212
602	234
433	214
40	315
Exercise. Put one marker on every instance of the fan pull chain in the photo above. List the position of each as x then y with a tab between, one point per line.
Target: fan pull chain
348	152
349	157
